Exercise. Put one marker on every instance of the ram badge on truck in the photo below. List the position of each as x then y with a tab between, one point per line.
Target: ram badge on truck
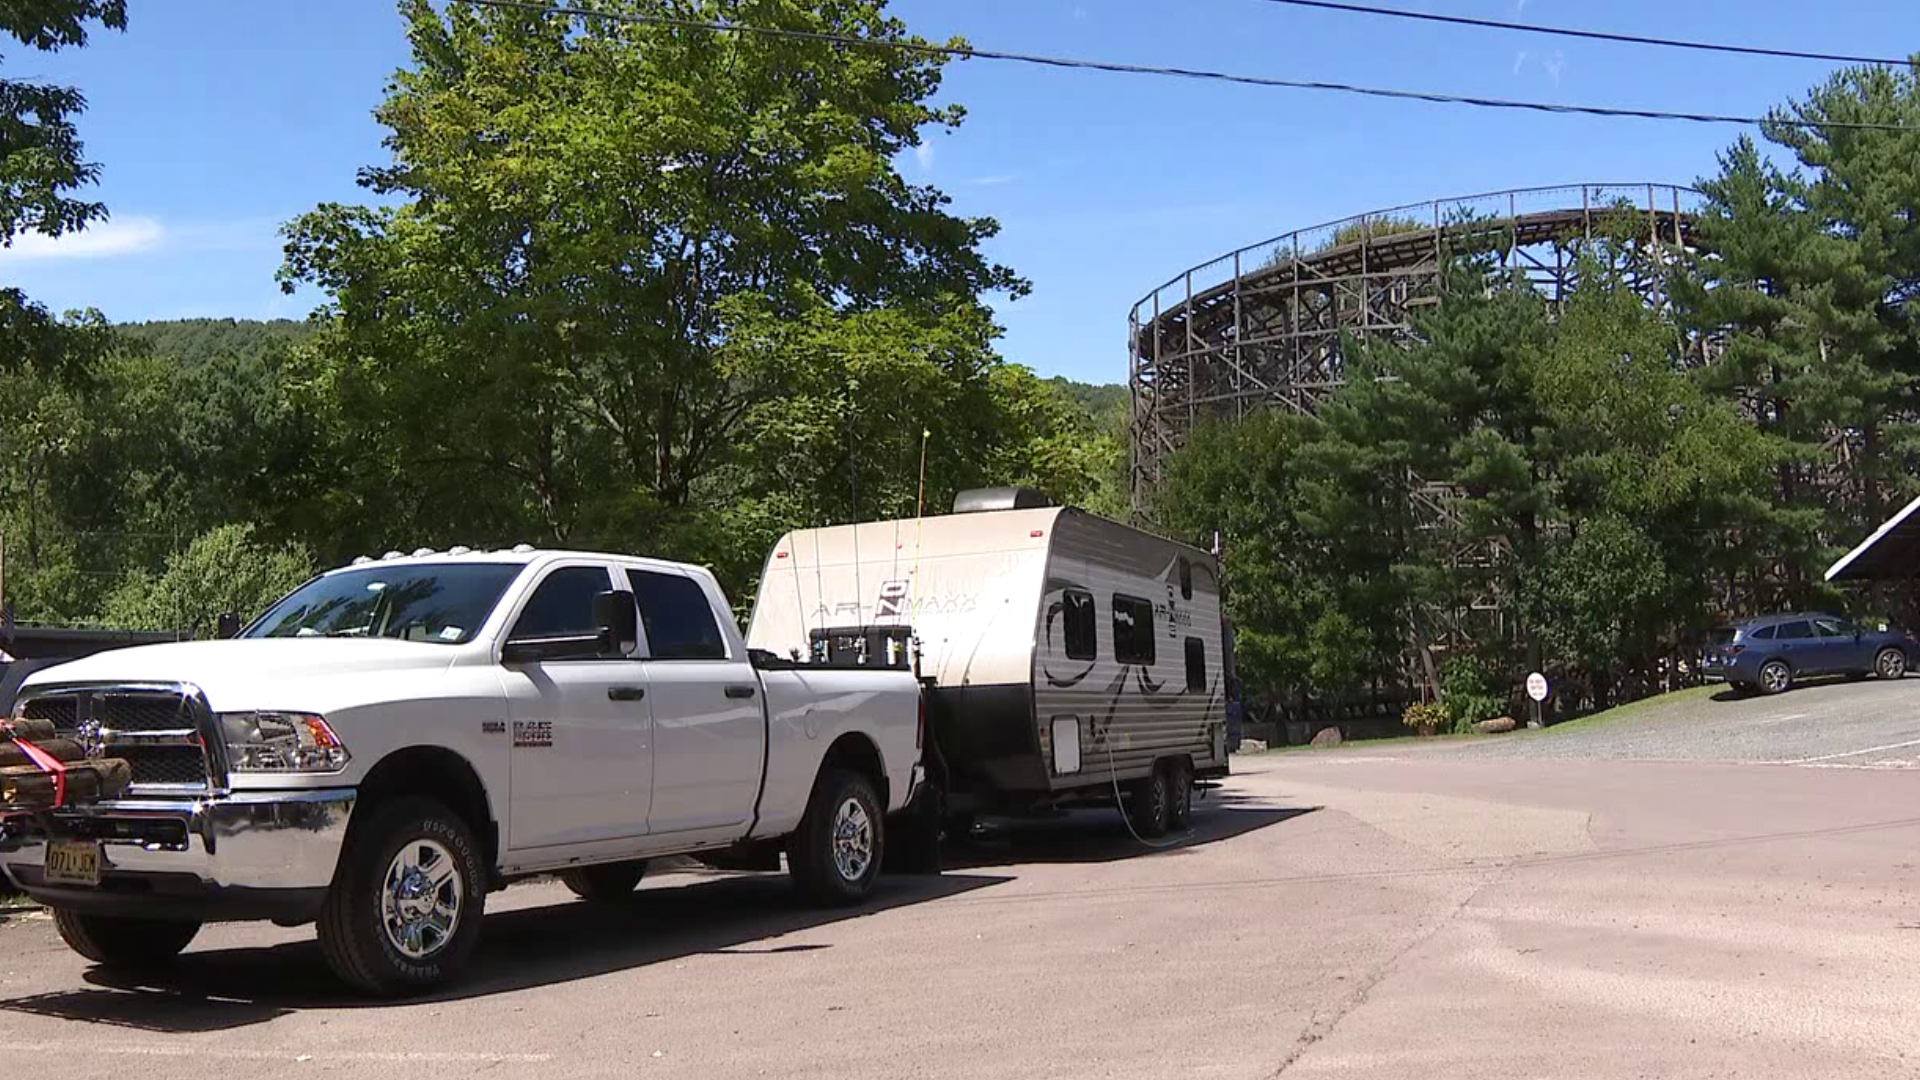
398	738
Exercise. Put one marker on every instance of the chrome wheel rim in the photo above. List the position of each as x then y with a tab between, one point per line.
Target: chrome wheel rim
852	840
1774	677
1892	664
420	900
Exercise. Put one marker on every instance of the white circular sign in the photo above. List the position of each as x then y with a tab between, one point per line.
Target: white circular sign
1537	686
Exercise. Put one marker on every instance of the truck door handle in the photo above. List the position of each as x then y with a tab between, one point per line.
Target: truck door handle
738	691
626	693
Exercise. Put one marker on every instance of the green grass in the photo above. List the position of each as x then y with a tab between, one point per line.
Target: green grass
1614	715
13	901
1632	709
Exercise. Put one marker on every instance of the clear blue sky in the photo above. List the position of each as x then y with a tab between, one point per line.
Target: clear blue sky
218	119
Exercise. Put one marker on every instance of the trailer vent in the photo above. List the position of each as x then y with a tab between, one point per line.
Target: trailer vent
981	500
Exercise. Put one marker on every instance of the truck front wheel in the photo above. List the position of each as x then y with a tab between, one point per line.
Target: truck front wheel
403	913
123	942
834	856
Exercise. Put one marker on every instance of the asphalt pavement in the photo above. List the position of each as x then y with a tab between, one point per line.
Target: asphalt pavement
1487	910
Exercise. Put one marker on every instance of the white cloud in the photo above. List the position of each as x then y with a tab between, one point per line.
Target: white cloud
923	156
1519	61
995	180
102	240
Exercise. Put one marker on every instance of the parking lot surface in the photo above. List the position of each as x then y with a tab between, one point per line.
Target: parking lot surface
1462	912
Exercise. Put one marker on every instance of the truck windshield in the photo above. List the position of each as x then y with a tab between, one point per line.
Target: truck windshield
443	603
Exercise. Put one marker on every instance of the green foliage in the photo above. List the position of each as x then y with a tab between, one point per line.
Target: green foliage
41	164
1811	282
1469	676
1467	710
1373	228
225	570
636	284
41	157
1587	476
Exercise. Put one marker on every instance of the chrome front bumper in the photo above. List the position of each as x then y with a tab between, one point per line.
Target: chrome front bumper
243	842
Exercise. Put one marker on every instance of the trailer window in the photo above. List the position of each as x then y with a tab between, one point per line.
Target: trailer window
677	616
1132	630
1077	624
1186	578
1196	665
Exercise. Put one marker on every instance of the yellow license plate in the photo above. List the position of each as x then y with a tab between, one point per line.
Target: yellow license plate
73	862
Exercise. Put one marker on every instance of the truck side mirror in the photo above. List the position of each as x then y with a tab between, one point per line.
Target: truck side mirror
618	620
228	625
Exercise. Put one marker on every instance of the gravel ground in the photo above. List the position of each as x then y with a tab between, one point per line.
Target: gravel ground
1869	724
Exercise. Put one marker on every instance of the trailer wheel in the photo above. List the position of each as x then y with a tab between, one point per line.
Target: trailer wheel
605	884
403	912
834	856
122	942
1147	805
1179	793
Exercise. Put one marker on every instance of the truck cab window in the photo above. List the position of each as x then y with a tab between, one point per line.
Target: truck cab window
1077	614
1132	630
1196	665
563	604
677	616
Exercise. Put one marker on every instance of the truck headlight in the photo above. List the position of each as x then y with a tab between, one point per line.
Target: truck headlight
282	742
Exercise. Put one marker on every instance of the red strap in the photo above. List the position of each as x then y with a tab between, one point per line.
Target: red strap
50	765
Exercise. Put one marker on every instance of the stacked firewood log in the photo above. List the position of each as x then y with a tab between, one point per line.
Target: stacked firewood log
39	770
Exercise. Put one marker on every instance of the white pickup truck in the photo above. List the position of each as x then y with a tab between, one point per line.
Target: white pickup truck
398	738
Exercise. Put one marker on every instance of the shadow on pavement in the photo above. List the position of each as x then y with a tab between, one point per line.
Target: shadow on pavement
1101	835
222	989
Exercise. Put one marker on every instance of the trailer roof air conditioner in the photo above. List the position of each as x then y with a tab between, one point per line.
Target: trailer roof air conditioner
980	500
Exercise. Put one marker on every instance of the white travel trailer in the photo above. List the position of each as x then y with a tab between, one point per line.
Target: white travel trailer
1070	658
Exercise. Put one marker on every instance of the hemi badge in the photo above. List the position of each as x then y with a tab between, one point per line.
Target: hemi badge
493	727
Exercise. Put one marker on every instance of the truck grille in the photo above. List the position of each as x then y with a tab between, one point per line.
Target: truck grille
158	731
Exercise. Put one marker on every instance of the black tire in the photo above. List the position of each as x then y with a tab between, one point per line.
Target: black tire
1147	805
824	870
122	942
1179	793
914	837
352	925
1779	681
606	884
1890	664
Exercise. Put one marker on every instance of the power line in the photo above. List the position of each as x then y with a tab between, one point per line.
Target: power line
1593	35
966	53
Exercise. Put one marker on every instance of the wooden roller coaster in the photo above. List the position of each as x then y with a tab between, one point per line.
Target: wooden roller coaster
1265	326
